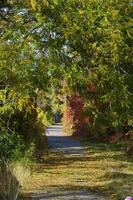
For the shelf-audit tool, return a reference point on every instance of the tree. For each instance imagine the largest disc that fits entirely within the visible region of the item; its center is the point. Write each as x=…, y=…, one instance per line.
x=92, y=41
x=86, y=44
x=23, y=75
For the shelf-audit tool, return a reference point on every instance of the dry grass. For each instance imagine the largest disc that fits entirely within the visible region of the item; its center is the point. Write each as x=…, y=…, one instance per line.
x=21, y=172
x=12, y=178
x=103, y=168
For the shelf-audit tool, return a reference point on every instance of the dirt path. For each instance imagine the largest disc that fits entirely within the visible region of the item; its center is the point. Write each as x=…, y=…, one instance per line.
x=70, y=148
x=62, y=176
x=69, y=171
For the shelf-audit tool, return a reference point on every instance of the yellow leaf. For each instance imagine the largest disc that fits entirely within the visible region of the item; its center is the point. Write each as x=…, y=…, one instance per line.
x=94, y=45
x=34, y=4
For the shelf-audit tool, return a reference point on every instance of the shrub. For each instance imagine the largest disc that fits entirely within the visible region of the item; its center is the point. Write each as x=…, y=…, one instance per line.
x=68, y=120
x=130, y=143
x=75, y=120
x=9, y=143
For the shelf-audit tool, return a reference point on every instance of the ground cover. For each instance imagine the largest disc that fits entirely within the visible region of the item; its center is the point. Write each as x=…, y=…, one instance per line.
x=104, y=169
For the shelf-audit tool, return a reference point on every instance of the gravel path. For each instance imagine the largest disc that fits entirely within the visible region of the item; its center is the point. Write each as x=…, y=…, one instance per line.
x=70, y=147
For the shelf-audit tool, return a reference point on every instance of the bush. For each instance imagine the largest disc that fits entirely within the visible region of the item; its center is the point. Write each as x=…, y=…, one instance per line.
x=130, y=143
x=75, y=120
x=68, y=121
x=31, y=124
x=10, y=143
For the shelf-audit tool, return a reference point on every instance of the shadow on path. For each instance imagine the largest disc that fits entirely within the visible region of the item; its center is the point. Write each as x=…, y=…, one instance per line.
x=60, y=142
x=66, y=150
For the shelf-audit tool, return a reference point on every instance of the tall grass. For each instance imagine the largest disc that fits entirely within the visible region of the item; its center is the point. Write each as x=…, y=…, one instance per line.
x=12, y=178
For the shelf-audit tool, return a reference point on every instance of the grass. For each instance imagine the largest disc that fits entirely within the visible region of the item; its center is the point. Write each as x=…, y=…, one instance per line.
x=12, y=178
x=105, y=169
